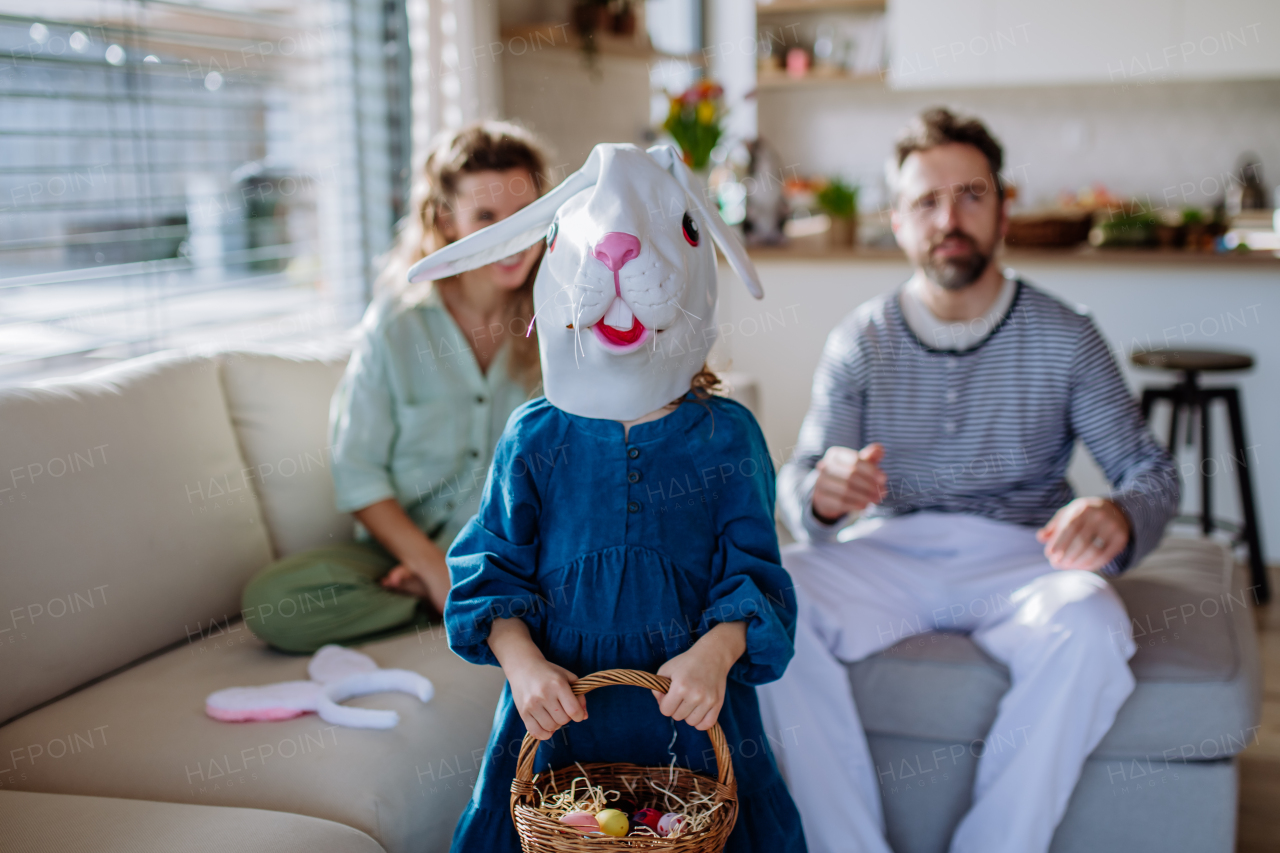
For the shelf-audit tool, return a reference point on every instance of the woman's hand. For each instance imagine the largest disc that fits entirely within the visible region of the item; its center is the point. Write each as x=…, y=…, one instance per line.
x=422, y=570
x=540, y=689
x=698, y=676
x=429, y=581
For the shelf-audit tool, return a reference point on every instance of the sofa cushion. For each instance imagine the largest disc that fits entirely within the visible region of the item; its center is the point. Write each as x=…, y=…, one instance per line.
x=62, y=823
x=122, y=525
x=279, y=404
x=1198, y=691
x=143, y=734
x=1130, y=805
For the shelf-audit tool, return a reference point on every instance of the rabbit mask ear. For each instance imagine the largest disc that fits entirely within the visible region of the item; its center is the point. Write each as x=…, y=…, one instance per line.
x=729, y=246
x=502, y=239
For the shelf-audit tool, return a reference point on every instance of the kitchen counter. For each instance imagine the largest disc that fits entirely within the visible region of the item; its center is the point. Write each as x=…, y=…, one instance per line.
x=1084, y=254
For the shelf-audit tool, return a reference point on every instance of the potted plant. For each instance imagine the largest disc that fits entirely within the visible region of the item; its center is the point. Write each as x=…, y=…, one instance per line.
x=590, y=17
x=1129, y=226
x=695, y=122
x=839, y=201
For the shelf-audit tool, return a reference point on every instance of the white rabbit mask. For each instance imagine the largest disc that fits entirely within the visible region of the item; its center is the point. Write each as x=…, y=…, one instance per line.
x=625, y=296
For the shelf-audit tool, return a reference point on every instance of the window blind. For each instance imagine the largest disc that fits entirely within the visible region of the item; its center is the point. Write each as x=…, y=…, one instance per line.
x=177, y=174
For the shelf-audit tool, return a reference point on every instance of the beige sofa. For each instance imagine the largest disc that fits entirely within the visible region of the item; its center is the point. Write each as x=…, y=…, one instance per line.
x=135, y=502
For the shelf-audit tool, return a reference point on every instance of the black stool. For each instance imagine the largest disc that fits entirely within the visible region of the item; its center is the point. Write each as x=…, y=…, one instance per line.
x=1188, y=394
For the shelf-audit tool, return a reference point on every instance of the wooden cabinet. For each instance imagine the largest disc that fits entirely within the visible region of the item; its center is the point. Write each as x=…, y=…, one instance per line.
x=937, y=44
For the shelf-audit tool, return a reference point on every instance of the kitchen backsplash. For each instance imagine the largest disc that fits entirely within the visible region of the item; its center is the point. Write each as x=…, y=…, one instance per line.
x=1172, y=142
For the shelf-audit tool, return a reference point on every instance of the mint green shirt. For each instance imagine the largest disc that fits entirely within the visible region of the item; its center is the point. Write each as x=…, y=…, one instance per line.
x=414, y=418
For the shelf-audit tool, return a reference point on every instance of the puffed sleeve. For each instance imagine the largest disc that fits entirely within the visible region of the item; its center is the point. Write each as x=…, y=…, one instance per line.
x=493, y=562
x=748, y=581
x=362, y=425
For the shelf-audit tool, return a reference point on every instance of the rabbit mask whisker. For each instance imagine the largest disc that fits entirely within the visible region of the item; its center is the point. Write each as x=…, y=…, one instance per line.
x=687, y=315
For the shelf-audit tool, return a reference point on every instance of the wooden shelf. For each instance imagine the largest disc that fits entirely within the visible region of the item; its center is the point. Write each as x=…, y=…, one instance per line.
x=811, y=249
x=785, y=82
x=791, y=7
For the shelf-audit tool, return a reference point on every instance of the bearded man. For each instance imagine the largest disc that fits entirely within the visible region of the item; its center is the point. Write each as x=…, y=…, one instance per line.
x=942, y=421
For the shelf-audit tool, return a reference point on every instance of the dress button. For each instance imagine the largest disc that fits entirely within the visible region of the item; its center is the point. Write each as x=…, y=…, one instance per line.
x=949, y=426
x=951, y=362
x=633, y=506
x=634, y=453
x=952, y=396
x=481, y=399
x=633, y=476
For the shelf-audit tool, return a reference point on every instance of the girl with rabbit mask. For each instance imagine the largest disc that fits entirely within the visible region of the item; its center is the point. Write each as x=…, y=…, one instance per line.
x=627, y=521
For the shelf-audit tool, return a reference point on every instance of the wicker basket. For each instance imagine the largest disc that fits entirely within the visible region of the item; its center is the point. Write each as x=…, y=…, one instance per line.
x=542, y=834
x=1048, y=230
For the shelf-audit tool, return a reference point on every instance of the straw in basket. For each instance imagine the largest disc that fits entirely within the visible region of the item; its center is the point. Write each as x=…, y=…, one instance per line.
x=541, y=833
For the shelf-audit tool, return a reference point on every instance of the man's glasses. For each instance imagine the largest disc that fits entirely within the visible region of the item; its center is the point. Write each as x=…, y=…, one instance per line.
x=970, y=197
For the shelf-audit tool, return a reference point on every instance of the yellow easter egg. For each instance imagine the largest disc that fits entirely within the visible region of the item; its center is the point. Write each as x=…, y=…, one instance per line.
x=613, y=822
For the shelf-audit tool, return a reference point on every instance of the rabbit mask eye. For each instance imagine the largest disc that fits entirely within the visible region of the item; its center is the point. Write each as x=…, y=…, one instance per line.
x=690, y=229
x=551, y=235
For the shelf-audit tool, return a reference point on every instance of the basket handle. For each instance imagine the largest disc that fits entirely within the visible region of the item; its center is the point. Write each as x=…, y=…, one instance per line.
x=522, y=785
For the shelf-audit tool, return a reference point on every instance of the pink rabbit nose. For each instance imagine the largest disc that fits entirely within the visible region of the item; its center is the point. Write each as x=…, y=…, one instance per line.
x=615, y=249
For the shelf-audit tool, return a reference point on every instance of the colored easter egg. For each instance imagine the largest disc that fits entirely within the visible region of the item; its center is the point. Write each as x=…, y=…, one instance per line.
x=647, y=817
x=585, y=821
x=668, y=823
x=613, y=822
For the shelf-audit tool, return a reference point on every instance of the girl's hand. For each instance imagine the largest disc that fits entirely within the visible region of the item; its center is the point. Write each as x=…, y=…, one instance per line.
x=544, y=698
x=698, y=676
x=539, y=688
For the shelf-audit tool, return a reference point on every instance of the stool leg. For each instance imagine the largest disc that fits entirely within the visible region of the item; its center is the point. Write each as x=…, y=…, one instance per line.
x=1148, y=400
x=1206, y=483
x=1173, y=426
x=1257, y=567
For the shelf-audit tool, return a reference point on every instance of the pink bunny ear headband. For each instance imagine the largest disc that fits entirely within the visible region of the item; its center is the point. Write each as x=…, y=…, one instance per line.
x=337, y=674
x=625, y=296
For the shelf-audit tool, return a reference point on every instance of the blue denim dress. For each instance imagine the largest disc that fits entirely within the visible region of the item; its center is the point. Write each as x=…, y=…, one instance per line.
x=620, y=554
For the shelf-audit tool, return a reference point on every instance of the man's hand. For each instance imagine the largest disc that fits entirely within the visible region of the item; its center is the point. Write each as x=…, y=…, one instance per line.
x=848, y=480
x=698, y=676
x=1085, y=534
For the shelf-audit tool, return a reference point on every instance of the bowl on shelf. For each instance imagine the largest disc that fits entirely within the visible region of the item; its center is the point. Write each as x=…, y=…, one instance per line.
x=1048, y=230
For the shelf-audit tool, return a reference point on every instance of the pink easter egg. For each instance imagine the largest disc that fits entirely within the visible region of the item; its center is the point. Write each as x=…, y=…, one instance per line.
x=586, y=821
x=668, y=822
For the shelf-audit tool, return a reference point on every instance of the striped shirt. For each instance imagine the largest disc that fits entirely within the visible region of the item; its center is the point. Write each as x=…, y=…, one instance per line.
x=987, y=431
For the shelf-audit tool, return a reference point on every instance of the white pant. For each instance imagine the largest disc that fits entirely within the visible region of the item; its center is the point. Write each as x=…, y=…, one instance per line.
x=1064, y=635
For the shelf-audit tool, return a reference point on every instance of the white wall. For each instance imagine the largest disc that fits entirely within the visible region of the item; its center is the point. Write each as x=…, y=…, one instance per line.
x=728, y=26
x=948, y=43
x=779, y=339
x=1135, y=139
x=551, y=92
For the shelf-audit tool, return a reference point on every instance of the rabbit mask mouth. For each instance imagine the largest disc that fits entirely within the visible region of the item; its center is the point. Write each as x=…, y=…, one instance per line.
x=614, y=333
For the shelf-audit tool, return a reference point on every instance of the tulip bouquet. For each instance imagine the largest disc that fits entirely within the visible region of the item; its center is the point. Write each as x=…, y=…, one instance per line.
x=694, y=122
